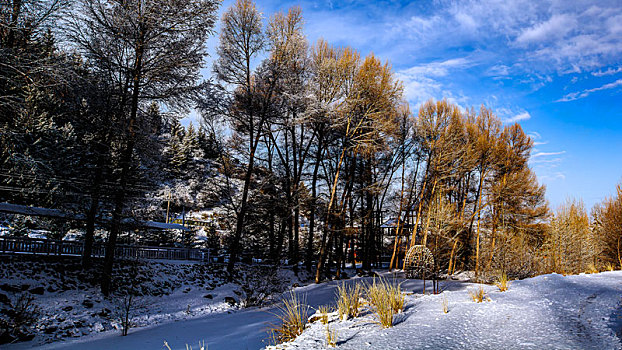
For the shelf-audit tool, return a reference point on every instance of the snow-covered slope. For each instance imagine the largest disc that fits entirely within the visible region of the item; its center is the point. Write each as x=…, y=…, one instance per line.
x=71, y=308
x=545, y=312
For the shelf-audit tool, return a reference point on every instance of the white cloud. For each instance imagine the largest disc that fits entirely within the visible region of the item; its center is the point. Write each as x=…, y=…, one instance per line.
x=546, y=165
x=546, y=154
x=498, y=71
x=535, y=135
x=552, y=177
x=466, y=21
x=585, y=93
x=421, y=82
x=555, y=28
x=551, y=163
x=609, y=71
x=436, y=69
x=508, y=114
x=518, y=117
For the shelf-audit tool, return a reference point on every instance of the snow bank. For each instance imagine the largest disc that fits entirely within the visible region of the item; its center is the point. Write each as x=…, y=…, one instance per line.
x=545, y=312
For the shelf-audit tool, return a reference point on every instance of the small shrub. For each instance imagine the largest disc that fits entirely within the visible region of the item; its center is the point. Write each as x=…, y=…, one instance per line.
x=17, y=320
x=260, y=285
x=124, y=312
x=331, y=337
x=478, y=295
x=348, y=300
x=445, y=304
x=293, y=317
x=503, y=282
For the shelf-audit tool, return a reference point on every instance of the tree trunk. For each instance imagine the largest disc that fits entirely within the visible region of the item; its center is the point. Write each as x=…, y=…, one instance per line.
x=126, y=160
x=479, y=204
x=239, y=226
x=495, y=221
x=15, y=14
x=320, y=262
x=295, y=200
x=310, y=238
x=90, y=230
x=429, y=213
x=452, y=259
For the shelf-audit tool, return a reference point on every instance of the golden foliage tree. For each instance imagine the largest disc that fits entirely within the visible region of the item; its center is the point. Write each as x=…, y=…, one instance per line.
x=608, y=229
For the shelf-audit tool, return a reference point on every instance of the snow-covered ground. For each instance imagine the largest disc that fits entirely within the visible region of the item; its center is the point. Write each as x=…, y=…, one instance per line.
x=545, y=312
x=71, y=309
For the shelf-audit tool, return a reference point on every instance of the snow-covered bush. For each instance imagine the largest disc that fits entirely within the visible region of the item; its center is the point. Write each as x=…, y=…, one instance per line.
x=17, y=320
x=260, y=285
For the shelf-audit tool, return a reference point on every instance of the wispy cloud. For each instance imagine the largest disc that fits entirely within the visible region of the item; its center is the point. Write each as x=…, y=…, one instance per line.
x=554, y=28
x=546, y=154
x=548, y=38
x=554, y=176
x=585, y=93
x=437, y=69
x=499, y=71
x=534, y=135
x=421, y=82
x=551, y=163
x=518, y=117
x=547, y=164
x=609, y=71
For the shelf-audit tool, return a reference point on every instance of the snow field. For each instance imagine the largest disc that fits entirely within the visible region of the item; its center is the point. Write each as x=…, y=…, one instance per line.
x=545, y=312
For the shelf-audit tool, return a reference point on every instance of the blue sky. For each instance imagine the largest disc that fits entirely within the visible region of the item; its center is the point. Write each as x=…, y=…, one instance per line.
x=554, y=66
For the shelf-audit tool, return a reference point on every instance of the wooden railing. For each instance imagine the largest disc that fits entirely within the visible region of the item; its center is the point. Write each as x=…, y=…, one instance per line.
x=19, y=245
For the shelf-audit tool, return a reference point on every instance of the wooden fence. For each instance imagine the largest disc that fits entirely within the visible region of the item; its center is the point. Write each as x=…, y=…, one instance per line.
x=33, y=246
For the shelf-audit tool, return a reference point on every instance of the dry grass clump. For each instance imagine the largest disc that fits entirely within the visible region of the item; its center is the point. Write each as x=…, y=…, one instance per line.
x=324, y=310
x=591, y=268
x=331, y=337
x=349, y=300
x=478, y=295
x=293, y=316
x=385, y=300
x=396, y=297
x=503, y=282
x=610, y=267
x=445, y=304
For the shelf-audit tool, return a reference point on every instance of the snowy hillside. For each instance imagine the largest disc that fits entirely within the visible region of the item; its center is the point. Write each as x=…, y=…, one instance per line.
x=69, y=306
x=545, y=312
